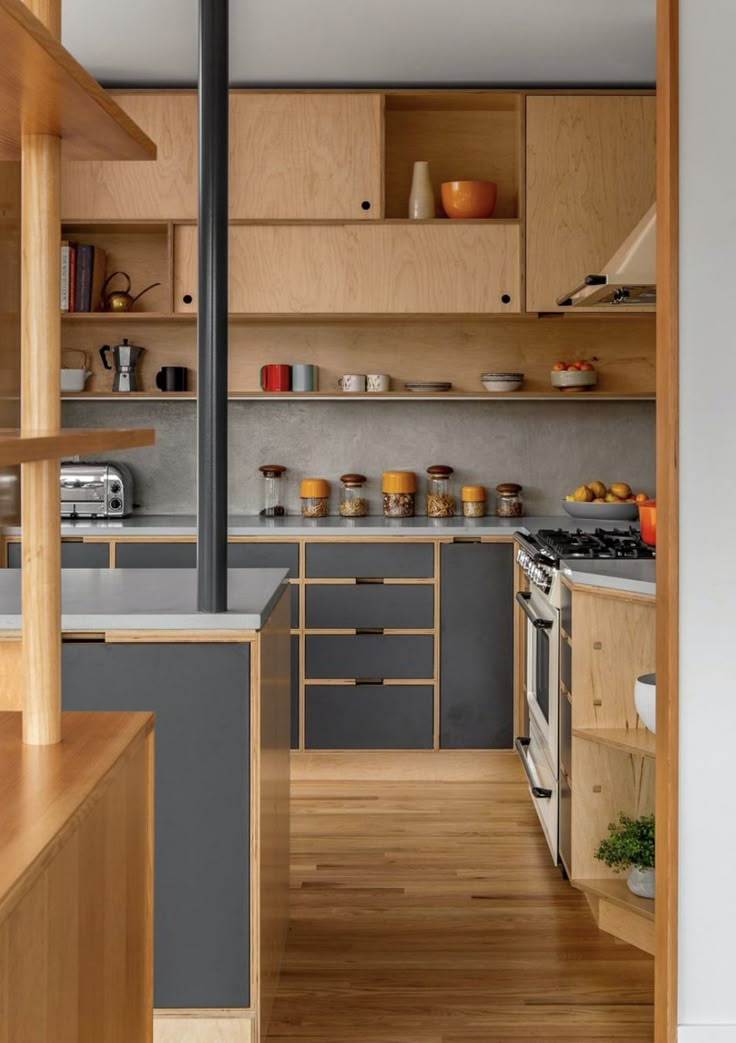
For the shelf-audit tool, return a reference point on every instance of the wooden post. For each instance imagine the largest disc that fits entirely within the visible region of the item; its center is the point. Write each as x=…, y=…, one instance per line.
x=41, y=411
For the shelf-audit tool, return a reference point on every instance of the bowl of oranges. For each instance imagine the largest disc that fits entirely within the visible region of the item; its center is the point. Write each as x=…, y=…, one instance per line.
x=596, y=500
x=574, y=376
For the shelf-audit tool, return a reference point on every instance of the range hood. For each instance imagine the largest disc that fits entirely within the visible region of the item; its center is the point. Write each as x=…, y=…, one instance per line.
x=629, y=278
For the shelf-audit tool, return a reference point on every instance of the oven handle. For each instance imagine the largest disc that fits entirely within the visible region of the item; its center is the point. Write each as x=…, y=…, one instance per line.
x=538, y=791
x=523, y=598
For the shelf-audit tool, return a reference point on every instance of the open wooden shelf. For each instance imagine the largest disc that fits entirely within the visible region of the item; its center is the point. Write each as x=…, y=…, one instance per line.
x=618, y=893
x=44, y=90
x=363, y=396
x=639, y=742
x=16, y=448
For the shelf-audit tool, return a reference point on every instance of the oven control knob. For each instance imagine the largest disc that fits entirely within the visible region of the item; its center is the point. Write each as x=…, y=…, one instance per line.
x=116, y=504
x=115, y=487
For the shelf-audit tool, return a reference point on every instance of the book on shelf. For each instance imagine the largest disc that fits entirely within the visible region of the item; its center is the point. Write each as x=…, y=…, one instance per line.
x=82, y=277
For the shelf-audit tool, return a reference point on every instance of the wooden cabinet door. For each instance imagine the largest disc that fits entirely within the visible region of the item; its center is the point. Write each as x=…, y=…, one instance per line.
x=590, y=173
x=447, y=267
x=165, y=189
x=305, y=156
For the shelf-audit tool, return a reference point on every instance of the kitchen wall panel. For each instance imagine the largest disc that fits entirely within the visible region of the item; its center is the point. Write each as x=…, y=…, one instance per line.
x=548, y=447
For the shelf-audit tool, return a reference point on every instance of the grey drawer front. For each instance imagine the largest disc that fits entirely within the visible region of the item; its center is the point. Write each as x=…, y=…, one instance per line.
x=381, y=560
x=156, y=555
x=294, y=691
x=566, y=664
x=566, y=735
x=374, y=717
x=370, y=605
x=73, y=555
x=264, y=556
x=202, y=801
x=369, y=655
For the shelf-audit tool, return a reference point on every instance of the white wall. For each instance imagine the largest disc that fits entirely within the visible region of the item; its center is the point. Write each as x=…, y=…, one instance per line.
x=707, y=996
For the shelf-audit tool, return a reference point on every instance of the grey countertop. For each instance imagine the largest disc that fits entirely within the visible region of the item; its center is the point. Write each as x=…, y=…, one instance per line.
x=636, y=577
x=149, y=599
x=296, y=526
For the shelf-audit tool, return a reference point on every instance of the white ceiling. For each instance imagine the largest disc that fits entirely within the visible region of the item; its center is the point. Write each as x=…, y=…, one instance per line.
x=372, y=42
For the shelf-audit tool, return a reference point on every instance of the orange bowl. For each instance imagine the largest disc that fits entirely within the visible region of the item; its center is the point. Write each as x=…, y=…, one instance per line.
x=469, y=198
x=648, y=522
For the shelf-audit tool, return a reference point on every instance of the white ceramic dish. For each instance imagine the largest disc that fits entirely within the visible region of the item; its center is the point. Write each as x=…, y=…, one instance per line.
x=645, y=700
x=573, y=379
x=601, y=511
x=73, y=379
x=496, y=382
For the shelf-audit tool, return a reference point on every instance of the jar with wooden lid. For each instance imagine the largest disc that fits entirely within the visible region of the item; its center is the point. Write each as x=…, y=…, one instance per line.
x=474, y=501
x=353, y=503
x=440, y=496
x=509, y=503
x=273, y=491
x=315, y=493
x=399, y=493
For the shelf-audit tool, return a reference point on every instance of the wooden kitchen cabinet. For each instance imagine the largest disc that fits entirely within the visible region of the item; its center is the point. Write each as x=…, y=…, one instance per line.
x=305, y=156
x=162, y=190
x=590, y=177
x=413, y=268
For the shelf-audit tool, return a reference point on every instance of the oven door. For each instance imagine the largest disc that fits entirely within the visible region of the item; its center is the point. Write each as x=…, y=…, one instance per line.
x=541, y=668
x=542, y=785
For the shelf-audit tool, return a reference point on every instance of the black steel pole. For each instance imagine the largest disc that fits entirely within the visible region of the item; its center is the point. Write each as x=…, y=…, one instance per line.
x=212, y=331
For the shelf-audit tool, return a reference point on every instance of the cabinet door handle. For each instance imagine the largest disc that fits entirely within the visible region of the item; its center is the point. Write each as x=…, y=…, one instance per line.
x=368, y=680
x=541, y=792
x=369, y=630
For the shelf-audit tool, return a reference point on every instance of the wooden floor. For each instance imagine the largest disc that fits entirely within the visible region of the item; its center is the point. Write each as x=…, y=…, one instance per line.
x=431, y=913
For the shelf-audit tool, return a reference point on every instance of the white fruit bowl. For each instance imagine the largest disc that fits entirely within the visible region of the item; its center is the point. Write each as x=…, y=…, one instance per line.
x=601, y=511
x=645, y=700
x=573, y=379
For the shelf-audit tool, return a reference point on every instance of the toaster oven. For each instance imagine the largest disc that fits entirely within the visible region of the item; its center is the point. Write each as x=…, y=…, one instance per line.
x=96, y=490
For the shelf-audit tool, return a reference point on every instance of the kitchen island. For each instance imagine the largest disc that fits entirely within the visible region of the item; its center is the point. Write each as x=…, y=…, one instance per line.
x=219, y=687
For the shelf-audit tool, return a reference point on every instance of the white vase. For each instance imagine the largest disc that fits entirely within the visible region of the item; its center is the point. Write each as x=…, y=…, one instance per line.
x=641, y=882
x=421, y=198
x=645, y=700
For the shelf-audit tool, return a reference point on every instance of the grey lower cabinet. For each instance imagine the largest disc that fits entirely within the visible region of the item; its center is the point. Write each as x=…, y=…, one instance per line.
x=200, y=696
x=73, y=555
x=375, y=717
x=362, y=656
x=476, y=646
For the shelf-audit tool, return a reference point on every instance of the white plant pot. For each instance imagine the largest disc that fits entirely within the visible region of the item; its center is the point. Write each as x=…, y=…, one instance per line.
x=645, y=700
x=641, y=882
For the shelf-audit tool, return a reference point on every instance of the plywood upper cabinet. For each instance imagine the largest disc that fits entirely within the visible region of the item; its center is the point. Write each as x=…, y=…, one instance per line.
x=362, y=268
x=305, y=156
x=590, y=177
x=165, y=189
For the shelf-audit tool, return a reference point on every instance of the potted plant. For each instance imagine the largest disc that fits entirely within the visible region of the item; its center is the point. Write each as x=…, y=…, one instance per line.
x=630, y=845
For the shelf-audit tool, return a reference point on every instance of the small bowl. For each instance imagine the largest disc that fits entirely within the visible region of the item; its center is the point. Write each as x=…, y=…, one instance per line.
x=645, y=700
x=466, y=199
x=73, y=379
x=573, y=379
x=502, y=381
x=601, y=511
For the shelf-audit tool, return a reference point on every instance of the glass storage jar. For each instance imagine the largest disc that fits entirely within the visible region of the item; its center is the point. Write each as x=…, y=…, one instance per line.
x=510, y=503
x=474, y=500
x=315, y=493
x=273, y=491
x=440, y=497
x=353, y=503
x=399, y=492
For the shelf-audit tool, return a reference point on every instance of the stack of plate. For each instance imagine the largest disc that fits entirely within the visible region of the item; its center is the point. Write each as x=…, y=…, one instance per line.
x=428, y=385
x=502, y=381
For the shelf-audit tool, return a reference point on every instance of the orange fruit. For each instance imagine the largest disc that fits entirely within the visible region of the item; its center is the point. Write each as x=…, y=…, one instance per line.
x=558, y=366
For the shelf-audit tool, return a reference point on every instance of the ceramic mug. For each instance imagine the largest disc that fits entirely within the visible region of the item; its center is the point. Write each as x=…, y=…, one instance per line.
x=304, y=377
x=378, y=381
x=172, y=378
x=352, y=382
x=276, y=377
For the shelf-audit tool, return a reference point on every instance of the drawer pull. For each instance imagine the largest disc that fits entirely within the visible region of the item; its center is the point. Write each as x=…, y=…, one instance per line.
x=368, y=680
x=466, y=539
x=369, y=630
x=364, y=580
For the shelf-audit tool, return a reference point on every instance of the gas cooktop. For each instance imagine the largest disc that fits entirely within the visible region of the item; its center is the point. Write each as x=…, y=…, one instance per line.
x=602, y=543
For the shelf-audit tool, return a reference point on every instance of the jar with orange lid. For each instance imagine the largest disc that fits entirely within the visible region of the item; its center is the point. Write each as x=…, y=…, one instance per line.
x=399, y=493
x=509, y=503
x=474, y=500
x=440, y=497
x=315, y=493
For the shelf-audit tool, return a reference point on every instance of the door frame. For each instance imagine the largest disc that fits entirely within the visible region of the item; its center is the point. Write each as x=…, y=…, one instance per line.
x=666, y=919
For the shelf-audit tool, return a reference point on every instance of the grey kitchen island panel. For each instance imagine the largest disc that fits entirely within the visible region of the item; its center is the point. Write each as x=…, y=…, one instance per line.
x=200, y=696
x=476, y=646
x=386, y=605
x=134, y=555
x=73, y=555
x=376, y=717
x=295, y=691
x=369, y=656
x=370, y=560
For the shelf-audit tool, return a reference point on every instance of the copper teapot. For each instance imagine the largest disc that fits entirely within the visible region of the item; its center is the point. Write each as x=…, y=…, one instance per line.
x=121, y=300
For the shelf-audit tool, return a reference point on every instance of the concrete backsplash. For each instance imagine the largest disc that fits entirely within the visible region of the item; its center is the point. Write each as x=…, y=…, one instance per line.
x=548, y=447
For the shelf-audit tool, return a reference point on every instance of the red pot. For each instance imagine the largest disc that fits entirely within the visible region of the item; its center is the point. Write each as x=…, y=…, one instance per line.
x=648, y=522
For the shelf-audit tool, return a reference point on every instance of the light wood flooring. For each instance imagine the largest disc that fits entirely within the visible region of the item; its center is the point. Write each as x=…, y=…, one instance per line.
x=431, y=913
